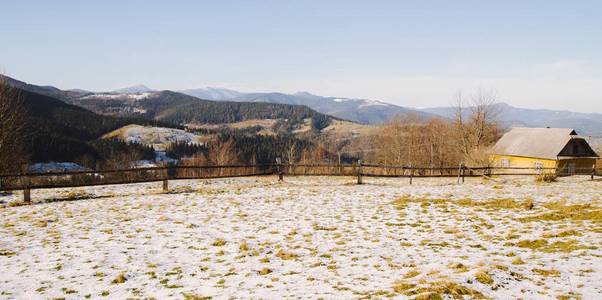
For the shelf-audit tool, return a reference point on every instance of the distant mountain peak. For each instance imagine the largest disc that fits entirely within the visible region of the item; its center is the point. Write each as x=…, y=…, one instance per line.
x=140, y=88
x=305, y=94
x=212, y=93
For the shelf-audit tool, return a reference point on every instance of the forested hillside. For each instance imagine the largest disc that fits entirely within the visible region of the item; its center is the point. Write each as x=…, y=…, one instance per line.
x=57, y=131
x=178, y=108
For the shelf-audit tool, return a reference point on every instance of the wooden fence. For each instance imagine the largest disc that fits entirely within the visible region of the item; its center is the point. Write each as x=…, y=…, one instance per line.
x=29, y=181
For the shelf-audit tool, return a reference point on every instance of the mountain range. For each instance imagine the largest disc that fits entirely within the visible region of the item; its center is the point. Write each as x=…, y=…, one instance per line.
x=176, y=108
x=218, y=105
x=374, y=112
x=510, y=116
x=215, y=94
x=357, y=110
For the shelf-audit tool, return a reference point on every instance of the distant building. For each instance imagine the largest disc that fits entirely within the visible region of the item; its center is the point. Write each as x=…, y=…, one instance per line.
x=559, y=148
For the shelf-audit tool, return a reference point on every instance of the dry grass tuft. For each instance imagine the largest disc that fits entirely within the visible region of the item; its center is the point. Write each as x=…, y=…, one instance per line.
x=286, y=255
x=6, y=252
x=558, y=246
x=501, y=203
x=459, y=267
x=562, y=234
x=264, y=271
x=436, y=290
x=243, y=247
x=484, y=278
x=188, y=296
x=121, y=278
x=547, y=273
x=546, y=177
x=218, y=243
x=561, y=211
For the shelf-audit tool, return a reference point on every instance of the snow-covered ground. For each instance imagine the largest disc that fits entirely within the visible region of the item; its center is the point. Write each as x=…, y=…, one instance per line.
x=307, y=237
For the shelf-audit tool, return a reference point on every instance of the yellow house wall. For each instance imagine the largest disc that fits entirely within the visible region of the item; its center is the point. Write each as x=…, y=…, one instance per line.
x=522, y=162
x=582, y=165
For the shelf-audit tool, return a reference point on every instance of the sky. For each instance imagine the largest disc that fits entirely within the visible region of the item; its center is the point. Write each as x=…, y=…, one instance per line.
x=534, y=54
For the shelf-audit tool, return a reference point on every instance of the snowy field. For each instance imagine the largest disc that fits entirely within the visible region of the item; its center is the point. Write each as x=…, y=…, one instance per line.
x=315, y=237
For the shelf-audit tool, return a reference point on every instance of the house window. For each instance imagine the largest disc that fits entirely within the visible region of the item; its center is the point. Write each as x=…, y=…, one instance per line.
x=505, y=163
x=538, y=165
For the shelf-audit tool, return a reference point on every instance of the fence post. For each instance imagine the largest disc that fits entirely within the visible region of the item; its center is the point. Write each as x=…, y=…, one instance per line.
x=411, y=173
x=593, y=171
x=459, y=173
x=463, y=173
x=171, y=173
x=359, y=172
x=27, y=195
x=279, y=169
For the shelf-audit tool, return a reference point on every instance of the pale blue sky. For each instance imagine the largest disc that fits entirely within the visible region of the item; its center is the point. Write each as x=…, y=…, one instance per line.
x=544, y=54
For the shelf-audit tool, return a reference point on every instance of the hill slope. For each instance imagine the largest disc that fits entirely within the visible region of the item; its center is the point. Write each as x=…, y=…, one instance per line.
x=44, y=90
x=177, y=108
x=58, y=131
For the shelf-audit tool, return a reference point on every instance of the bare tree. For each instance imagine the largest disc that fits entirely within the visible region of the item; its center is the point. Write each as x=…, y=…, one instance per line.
x=13, y=118
x=224, y=153
x=291, y=153
x=476, y=125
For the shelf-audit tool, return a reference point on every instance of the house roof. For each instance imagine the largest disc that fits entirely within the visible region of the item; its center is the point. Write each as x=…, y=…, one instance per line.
x=534, y=142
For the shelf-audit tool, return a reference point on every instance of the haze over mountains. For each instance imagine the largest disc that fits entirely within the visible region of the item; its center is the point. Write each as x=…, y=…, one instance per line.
x=185, y=106
x=177, y=108
x=141, y=88
x=374, y=112
x=210, y=93
x=357, y=110
x=510, y=116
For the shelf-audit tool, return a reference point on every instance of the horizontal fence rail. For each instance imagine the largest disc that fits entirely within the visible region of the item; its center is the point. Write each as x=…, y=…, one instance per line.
x=90, y=178
x=28, y=181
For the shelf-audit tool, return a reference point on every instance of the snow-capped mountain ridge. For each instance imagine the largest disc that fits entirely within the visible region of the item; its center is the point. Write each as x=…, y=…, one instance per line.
x=365, y=111
x=116, y=96
x=212, y=93
x=140, y=88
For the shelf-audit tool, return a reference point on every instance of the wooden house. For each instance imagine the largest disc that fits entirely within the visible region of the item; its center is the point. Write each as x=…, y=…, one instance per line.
x=539, y=148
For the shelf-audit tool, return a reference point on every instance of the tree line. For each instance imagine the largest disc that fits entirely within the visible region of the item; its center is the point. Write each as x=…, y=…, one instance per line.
x=39, y=128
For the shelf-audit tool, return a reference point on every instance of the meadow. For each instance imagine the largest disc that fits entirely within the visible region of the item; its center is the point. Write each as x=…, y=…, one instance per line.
x=317, y=237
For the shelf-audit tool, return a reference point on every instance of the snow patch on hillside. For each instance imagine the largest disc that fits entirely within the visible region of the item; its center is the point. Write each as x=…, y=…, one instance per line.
x=56, y=167
x=112, y=96
x=158, y=137
x=367, y=103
